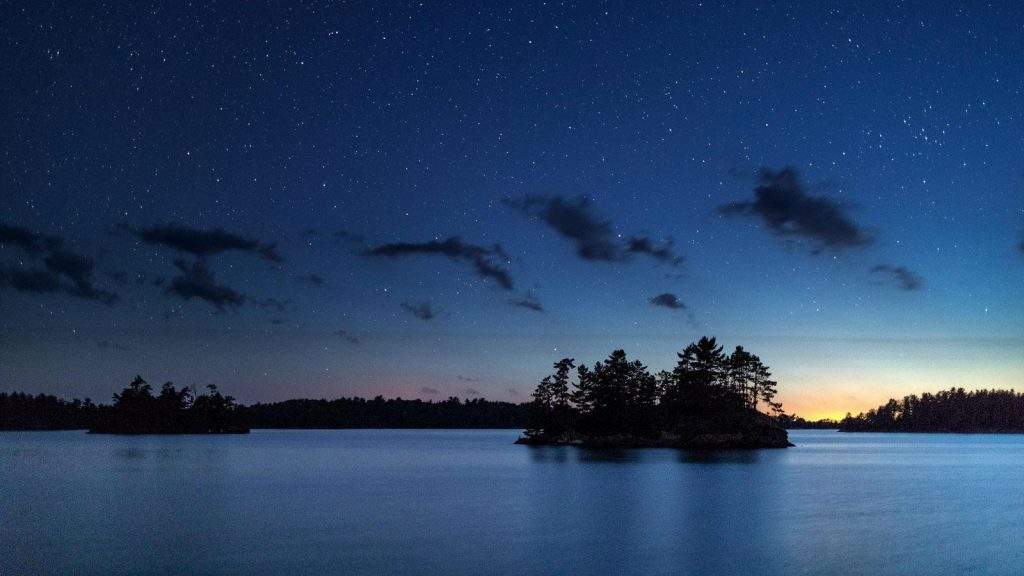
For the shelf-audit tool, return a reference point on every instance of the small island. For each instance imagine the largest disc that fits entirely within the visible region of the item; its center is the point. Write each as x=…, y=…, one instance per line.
x=711, y=400
x=137, y=411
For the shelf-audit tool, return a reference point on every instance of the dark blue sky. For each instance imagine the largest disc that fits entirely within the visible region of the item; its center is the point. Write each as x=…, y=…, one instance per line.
x=839, y=190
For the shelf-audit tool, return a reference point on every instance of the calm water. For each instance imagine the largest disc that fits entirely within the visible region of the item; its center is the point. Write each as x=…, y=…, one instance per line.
x=470, y=502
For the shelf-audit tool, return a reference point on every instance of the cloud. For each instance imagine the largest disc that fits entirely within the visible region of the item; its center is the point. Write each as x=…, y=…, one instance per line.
x=454, y=248
x=644, y=245
x=105, y=344
x=901, y=276
x=530, y=302
x=467, y=378
x=471, y=392
x=77, y=269
x=575, y=221
x=593, y=236
x=347, y=336
x=62, y=270
x=314, y=279
x=197, y=281
x=668, y=300
x=202, y=243
x=422, y=310
x=512, y=392
x=29, y=241
x=429, y=391
x=781, y=202
x=273, y=304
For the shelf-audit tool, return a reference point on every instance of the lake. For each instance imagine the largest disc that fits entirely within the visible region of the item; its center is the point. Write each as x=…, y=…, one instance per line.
x=454, y=502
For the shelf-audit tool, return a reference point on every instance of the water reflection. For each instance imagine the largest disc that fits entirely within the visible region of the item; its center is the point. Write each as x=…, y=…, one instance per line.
x=471, y=502
x=720, y=456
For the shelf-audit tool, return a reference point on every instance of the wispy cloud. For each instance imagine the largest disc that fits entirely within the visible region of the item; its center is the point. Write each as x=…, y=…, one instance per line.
x=901, y=276
x=664, y=253
x=422, y=310
x=197, y=281
x=314, y=279
x=529, y=301
x=483, y=259
x=202, y=243
x=347, y=336
x=593, y=236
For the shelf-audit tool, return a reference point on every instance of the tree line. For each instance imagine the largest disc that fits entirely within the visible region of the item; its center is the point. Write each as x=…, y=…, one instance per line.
x=953, y=410
x=137, y=409
x=708, y=391
x=387, y=413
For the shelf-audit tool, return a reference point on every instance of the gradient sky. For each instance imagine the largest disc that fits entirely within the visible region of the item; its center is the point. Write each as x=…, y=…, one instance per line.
x=837, y=189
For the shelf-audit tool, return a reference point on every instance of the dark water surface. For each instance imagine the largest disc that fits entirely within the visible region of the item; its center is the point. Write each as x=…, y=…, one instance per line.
x=470, y=502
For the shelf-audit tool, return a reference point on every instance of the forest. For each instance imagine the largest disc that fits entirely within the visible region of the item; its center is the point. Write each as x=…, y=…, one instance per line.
x=387, y=413
x=953, y=410
x=137, y=410
x=709, y=400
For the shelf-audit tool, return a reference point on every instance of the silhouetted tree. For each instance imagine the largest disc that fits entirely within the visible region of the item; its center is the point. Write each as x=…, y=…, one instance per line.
x=707, y=392
x=173, y=411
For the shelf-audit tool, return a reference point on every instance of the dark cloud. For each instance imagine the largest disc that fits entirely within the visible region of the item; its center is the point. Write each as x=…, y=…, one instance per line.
x=29, y=241
x=62, y=270
x=273, y=304
x=107, y=345
x=668, y=300
x=513, y=392
x=77, y=269
x=314, y=279
x=203, y=243
x=901, y=276
x=467, y=378
x=530, y=302
x=781, y=202
x=471, y=392
x=576, y=221
x=422, y=310
x=429, y=391
x=593, y=236
x=347, y=336
x=482, y=259
x=665, y=253
x=197, y=281
x=36, y=280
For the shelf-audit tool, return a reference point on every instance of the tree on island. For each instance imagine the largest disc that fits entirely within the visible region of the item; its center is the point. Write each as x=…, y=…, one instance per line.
x=709, y=399
x=137, y=411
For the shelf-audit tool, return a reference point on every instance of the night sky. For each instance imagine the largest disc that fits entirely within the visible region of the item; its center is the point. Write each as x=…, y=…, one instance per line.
x=331, y=199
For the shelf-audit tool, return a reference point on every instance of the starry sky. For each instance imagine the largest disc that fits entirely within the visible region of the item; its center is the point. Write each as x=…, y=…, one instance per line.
x=305, y=199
